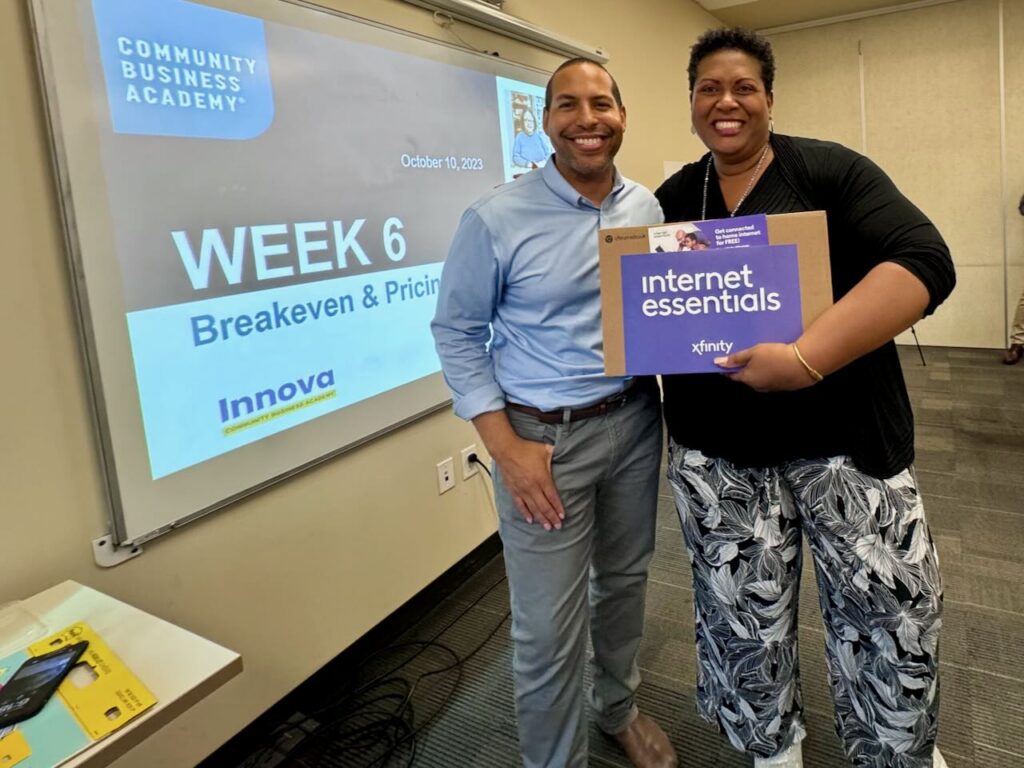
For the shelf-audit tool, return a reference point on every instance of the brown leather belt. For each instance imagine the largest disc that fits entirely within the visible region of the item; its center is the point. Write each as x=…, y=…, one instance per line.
x=566, y=415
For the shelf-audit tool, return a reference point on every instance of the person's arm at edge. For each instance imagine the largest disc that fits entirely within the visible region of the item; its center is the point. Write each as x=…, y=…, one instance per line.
x=915, y=278
x=461, y=327
x=885, y=303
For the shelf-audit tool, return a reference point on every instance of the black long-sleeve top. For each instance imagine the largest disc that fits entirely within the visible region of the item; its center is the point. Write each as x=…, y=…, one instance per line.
x=861, y=410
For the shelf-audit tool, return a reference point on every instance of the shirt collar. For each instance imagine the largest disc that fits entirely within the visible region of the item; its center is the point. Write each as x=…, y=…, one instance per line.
x=557, y=183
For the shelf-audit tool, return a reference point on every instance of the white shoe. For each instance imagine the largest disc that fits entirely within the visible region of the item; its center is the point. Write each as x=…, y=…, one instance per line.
x=790, y=758
x=938, y=761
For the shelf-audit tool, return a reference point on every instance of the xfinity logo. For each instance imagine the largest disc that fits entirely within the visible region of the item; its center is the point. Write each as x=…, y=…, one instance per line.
x=705, y=347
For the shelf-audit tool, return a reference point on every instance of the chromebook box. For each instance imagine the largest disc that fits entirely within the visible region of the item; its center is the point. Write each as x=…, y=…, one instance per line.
x=676, y=296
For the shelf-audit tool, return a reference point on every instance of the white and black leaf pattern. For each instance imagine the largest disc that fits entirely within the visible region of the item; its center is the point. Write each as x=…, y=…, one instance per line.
x=783, y=605
x=766, y=529
x=880, y=592
x=898, y=740
x=767, y=590
x=919, y=546
x=874, y=553
x=719, y=553
x=885, y=644
x=930, y=638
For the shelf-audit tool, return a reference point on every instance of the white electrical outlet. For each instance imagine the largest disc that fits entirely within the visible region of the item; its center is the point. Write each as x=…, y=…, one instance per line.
x=446, y=475
x=468, y=469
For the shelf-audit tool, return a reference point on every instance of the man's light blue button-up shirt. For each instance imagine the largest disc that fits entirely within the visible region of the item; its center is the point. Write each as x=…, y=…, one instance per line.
x=524, y=263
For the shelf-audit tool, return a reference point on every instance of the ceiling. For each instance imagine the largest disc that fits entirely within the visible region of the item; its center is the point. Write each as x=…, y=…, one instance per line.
x=763, y=14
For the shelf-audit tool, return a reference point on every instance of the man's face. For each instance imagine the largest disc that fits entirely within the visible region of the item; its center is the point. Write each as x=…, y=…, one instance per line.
x=584, y=122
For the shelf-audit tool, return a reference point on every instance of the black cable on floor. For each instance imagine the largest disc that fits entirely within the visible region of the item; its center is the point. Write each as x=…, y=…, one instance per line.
x=373, y=725
x=458, y=667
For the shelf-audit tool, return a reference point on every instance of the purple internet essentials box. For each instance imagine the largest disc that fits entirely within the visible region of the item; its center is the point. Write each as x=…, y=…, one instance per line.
x=681, y=310
x=738, y=232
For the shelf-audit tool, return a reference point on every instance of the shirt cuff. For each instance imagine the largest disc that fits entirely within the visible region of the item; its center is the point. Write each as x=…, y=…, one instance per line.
x=482, y=400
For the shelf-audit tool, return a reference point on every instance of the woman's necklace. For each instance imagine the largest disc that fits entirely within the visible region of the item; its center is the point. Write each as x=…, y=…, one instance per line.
x=750, y=185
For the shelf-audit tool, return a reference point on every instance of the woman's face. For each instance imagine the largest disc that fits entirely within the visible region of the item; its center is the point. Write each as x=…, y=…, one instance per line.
x=730, y=108
x=529, y=122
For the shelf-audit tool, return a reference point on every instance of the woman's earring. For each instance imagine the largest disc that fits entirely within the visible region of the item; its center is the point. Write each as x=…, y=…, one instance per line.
x=693, y=130
x=771, y=125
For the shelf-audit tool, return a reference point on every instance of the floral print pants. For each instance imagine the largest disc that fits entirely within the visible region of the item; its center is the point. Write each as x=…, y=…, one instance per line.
x=880, y=593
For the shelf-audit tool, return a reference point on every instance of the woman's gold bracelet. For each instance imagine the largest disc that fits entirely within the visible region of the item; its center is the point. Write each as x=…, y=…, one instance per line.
x=814, y=374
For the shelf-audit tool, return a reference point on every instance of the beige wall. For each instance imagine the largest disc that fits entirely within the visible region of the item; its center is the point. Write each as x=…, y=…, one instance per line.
x=293, y=575
x=1013, y=34
x=931, y=113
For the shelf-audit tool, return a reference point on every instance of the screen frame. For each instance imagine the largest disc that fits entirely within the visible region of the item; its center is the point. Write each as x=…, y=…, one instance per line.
x=136, y=514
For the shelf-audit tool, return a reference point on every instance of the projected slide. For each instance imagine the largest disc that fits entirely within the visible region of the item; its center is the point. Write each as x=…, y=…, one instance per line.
x=281, y=203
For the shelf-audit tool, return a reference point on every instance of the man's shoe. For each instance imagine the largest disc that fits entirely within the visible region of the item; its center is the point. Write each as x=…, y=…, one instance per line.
x=1013, y=354
x=646, y=745
x=790, y=758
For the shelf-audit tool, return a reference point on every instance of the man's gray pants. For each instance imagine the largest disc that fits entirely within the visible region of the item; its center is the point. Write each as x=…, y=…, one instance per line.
x=591, y=574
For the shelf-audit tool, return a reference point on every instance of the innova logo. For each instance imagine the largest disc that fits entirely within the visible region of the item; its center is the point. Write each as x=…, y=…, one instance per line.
x=275, y=401
x=175, y=68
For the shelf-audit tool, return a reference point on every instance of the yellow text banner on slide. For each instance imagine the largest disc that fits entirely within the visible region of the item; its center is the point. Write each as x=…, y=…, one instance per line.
x=111, y=697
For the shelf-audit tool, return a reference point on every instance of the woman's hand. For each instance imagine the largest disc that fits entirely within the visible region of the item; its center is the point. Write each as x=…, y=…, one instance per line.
x=767, y=368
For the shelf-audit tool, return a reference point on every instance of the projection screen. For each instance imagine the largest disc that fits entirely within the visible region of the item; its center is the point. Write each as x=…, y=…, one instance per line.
x=258, y=197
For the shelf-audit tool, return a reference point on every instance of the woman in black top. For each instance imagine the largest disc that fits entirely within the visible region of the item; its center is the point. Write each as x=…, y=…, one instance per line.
x=815, y=436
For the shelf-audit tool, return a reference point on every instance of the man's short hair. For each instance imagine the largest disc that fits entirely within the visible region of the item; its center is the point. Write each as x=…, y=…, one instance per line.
x=573, y=63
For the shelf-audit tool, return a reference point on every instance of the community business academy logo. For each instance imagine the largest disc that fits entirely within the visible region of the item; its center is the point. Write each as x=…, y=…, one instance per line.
x=175, y=68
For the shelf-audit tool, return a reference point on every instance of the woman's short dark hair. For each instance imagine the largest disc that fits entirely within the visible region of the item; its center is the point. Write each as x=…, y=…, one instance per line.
x=734, y=39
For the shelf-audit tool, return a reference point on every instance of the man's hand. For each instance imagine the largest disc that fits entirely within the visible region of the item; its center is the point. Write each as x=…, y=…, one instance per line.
x=525, y=468
x=767, y=368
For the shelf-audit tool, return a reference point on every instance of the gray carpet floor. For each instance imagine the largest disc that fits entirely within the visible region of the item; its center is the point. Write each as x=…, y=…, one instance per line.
x=970, y=461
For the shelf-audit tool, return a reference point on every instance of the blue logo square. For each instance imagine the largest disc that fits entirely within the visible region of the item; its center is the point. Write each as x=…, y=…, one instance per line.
x=175, y=68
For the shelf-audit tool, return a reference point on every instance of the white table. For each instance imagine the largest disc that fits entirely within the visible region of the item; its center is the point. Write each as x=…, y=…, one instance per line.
x=179, y=667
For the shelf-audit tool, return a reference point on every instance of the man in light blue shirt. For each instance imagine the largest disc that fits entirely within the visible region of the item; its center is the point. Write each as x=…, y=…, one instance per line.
x=576, y=453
